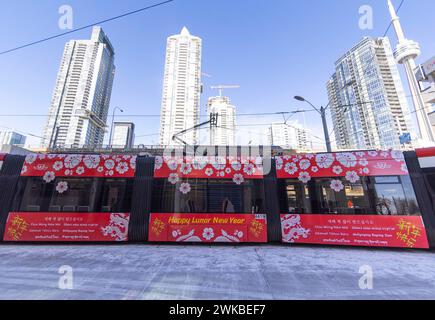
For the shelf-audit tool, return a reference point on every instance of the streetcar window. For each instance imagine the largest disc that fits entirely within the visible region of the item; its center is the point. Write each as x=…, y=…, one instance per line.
x=84, y=195
x=207, y=196
x=167, y=197
x=395, y=196
x=116, y=195
x=298, y=197
x=36, y=195
x=79, y=196
x=338, y=196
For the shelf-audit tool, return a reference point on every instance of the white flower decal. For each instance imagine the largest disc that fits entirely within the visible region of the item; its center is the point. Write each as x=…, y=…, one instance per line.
x=185, y=168
x=158, y=163
x=122, y=167
x=173, y=178
x=384, y=154
x=397, y=155
x=228, y=170
x=315, y=169
x=133, y=162
x=199, y=163
x=236, y=165
x=347, y=159
x=49, y=176
x=109, y=164
x=209, y=172
x=290, y=168
x=219, y=163
x=58, y=165
x=337, y=185
x=91, y=161
x=100, y=169
x=324, y=160
x=62, y=187
x=337, y=170
x=24, y=170
x=249, y=169
x=72, y=161
x=31, y=158
x=208, y=234
x=279, y=163
x=352, y=176
x=80, y=170
x=238, y=178
x=185, y=188
x=372, y=154
x=304, y=164
x=363, y=162
x=109, y=173
x=172, y=164
x=304, y=177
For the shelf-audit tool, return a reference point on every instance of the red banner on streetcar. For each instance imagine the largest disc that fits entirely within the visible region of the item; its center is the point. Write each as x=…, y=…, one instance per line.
x=234, y=228
x=352, y=230
x=68, y=227
x=351, y=165
x=50, y=166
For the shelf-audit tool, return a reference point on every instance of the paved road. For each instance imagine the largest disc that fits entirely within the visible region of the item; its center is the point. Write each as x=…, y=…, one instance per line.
x=203, y=272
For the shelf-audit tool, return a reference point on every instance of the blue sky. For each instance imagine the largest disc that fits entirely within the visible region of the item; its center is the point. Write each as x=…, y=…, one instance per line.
x=274, y=49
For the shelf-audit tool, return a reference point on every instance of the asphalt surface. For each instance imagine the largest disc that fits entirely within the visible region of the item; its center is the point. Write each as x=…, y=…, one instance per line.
x=212, y=272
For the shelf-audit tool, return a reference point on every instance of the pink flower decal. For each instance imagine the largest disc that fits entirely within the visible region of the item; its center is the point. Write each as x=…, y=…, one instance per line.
x=122, y=167
x=49, y=176
x=337, y=185
x=58, y=165
x=91, y=161
x=337, y=170
x=62, y=187
x=352, y=177
x=173, y=178
x=291, y=168
x=72, y=161
x=304, y=164
x=347, y=159
x=238, y=179
x=249, y=169
x=208, y=234
x=185, y=168
x=304, y=177
x=185, y=188
x=324, y=160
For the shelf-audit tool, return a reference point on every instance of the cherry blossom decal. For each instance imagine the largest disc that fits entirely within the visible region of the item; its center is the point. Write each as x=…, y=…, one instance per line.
x=62, y=187
x=235, y=168
x=61, y=165
x=351, y=165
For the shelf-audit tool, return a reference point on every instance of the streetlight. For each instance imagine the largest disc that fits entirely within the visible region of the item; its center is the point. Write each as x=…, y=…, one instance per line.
x=111, y=127
x=322, y=112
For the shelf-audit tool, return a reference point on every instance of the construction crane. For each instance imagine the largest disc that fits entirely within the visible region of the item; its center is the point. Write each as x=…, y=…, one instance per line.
x=222, y=87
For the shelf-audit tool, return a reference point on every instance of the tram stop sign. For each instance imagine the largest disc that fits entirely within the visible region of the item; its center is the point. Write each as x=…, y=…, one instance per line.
x=405, y=138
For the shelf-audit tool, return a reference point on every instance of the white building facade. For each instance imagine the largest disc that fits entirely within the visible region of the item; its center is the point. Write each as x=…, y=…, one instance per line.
x=81, y=99
x=10, y=137
x=368, y=104
x=288, y=136
x=224, y=134
x=180, y=108
x=123, y=135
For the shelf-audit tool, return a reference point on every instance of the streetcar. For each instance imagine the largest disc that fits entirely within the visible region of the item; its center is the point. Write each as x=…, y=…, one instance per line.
x=367, y=198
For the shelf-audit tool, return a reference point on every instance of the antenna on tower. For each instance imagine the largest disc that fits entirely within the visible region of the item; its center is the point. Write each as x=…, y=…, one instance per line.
x=222, y=87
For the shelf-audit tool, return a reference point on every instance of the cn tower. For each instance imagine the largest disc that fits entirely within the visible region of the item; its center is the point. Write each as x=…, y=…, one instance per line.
x=405, y=53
